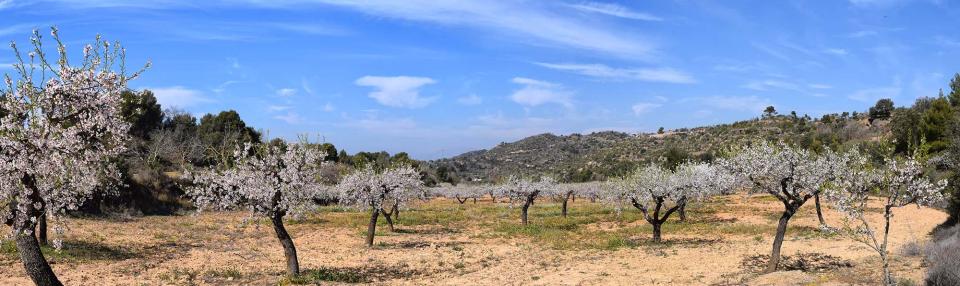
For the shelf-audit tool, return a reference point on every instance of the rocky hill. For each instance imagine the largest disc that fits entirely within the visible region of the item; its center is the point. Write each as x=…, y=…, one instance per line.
x=595, y=156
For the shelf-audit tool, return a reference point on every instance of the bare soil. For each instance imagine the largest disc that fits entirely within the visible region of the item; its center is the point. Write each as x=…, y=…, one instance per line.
x=446, y=243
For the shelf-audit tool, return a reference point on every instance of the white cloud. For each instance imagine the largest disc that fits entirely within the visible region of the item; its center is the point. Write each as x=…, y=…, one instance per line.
x=4, y=4
x=819, y=86
x=328, y=107
x=286, y=92
x=947, y=42
x=535, y=92
x=614, y=10
x=644, y=107
x=874, y=94
x=521, y=20
x=863, y=33
x=397, y=91
x=290, y=118
x=178, y=96
x=838, y=52
x=472, y=99
x=643, y=74
x=765, y=85
x=275, y=108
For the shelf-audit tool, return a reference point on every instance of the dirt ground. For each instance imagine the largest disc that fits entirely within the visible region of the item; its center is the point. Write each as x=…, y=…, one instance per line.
x=443, y=242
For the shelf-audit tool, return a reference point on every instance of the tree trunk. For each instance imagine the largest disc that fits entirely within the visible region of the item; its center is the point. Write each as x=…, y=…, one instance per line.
x=461, y=201
x=523, y=213
x=887, y=275
x=656, y=231
x=32, y=258
x=778, y=241
x=474, y=200
x=386, y=215
x=33, y=261
x=396, y=210
x=493, y=199
x=42, y=230
x=289, y=250
x=816, y=199
x=372, y=227
x=563, y=208
x=683, y=212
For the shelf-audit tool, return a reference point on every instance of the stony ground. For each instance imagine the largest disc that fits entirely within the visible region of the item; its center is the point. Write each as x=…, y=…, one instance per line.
x=442, y=242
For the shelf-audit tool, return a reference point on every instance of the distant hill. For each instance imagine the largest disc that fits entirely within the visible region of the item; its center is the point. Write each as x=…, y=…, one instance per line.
x=596, y=156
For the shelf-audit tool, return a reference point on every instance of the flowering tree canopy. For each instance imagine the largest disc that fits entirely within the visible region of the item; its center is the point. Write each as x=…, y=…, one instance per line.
x=526, y=190
x=899, y=183
x=792, y=175
x=270, y=180
x=266, y=179
x=658, y=192
x=60, y=127
x=461, y=192
x=370, y=189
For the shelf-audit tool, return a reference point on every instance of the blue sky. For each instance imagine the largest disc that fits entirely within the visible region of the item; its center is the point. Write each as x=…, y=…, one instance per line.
x=438, y=78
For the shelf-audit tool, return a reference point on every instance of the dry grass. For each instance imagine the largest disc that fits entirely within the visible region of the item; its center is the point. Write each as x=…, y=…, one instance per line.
x=443, y=242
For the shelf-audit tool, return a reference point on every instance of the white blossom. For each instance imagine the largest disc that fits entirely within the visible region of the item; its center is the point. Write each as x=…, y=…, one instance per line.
x=368, y=188
x=58, y=136
x=266, y=179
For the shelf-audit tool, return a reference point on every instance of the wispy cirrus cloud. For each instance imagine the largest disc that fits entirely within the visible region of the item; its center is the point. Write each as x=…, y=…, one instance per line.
x=536, y=92
x=397, y=91
x=643, y=74
x=644, y=107
x=523, y=20
x=615, y=10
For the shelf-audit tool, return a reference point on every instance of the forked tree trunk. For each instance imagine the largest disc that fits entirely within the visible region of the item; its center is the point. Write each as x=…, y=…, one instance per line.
x=816, y=199
x=289, y=250
x=372, y=227
x=386, y=215
x=778, y=240
x=493, y=199
x=42, y=229
x=460, y=201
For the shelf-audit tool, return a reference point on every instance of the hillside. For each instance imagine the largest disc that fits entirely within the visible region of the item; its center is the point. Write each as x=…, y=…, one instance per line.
x=595, y=156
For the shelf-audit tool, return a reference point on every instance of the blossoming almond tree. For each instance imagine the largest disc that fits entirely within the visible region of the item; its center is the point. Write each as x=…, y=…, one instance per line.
x=792, y=175
x=369, y=189
x=526, y=191
x=271, y=180
x=61, y=126
x=899, y=183
x=565, y=192
x=461, y=192
x=658, y=193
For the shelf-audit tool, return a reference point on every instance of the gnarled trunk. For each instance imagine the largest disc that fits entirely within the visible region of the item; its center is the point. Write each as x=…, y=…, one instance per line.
x=32, y=258
x=778, y=240
x=461, y=201
x=656, y=231
x=372, y=227
x=289, y=250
